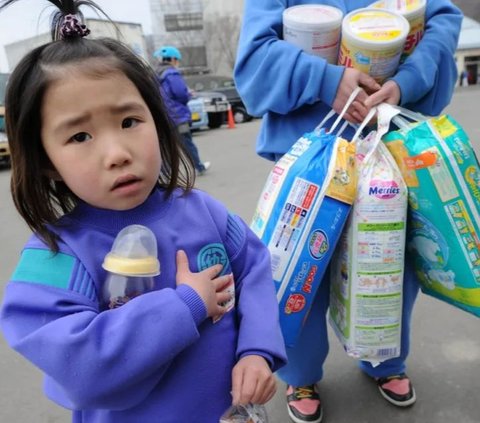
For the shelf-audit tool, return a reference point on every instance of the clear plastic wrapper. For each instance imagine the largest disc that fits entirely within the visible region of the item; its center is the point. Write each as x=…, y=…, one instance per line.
x=251, y=413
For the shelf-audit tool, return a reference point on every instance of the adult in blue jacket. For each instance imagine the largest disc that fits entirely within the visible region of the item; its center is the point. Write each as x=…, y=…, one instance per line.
x=293, y=91
x=175, y=93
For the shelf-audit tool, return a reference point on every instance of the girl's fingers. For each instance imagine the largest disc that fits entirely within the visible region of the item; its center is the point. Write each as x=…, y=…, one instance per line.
x=223, y=297
x=368, y=82
x=222, y=282
x=237, y=382
x=213, y=271
x=182, y=261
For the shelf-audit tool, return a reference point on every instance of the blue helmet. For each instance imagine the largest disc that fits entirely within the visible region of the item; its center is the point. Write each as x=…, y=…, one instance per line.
x=168, y=52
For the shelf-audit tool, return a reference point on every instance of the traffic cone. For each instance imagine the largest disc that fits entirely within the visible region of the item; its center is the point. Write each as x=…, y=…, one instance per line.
x=230, y=120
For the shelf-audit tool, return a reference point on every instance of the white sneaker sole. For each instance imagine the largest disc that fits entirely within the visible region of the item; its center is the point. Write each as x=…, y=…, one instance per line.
x=400, y=403
x=297, y=420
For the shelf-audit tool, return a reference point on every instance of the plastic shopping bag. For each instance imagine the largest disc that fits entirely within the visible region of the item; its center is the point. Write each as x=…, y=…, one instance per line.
x=443, y=177
x=300, y=215
x=366, y=273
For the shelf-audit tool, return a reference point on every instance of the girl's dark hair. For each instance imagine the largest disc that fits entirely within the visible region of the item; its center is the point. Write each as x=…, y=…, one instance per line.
x=39, y=199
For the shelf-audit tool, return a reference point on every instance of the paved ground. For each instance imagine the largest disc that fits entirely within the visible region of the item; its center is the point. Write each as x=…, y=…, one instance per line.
x=445, y=361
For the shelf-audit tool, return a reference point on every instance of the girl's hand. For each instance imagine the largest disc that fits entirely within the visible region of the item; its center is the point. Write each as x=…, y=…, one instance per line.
x=252, y=381
x=389, y=93
x=351, y=79
x=206, y=283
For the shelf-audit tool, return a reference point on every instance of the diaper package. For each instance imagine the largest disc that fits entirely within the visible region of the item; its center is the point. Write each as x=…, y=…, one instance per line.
x=443, y=177
x=300, y=215
x=367, y=266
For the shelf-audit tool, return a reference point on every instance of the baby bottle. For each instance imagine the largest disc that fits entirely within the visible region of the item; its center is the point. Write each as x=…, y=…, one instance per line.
x=131, y=265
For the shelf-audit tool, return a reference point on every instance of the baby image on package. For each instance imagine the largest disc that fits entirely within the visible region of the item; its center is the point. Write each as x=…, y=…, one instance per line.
x=443, y=176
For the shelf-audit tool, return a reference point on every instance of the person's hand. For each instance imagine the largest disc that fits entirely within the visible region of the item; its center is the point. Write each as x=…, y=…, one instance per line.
x=206, y=283
x=388, y=93
x=351, y=79
x=252, y=381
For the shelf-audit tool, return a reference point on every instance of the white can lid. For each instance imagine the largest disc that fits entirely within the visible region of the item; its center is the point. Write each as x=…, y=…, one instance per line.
x=408, y=8
x=310, y=17
x=375, y=28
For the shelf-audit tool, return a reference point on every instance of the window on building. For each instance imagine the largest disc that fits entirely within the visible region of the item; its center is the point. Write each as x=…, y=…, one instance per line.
x=194, y=56
x=183, y=21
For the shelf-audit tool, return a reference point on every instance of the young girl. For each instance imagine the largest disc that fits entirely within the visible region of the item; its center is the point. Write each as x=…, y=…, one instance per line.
x=92, y=152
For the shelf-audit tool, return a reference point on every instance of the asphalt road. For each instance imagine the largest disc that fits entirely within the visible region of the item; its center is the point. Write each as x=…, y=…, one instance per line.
x=444, y=363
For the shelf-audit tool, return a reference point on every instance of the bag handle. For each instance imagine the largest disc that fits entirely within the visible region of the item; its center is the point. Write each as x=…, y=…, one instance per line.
x=385, y=114
x=415, y=116
x=362, y=126
x=331, y=113
x=401, y=123
x=328, y=116
x=350, y=100
x=342, y=128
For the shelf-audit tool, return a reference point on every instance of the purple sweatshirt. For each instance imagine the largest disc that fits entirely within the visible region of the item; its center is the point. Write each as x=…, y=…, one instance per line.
x=156, y=358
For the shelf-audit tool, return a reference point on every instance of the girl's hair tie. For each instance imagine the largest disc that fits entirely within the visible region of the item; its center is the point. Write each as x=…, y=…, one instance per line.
x=72, y=27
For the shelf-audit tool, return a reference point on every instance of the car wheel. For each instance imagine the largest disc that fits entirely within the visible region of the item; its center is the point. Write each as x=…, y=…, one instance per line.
x=215, y=120
x=240, y=115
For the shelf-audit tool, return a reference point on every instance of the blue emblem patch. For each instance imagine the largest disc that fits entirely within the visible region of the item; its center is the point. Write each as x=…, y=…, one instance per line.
x=213, y=254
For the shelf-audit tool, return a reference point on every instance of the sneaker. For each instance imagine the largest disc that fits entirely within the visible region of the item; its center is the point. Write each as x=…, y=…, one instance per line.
x=397, y=390
x=206, y=166
x=304, y=404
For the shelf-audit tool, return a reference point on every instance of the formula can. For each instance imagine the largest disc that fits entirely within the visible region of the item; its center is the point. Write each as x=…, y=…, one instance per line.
x=314, y=28
x=414, y=12
x=373, y=41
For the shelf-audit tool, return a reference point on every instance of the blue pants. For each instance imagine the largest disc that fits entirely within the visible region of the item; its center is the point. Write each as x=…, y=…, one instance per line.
x=305, y=360
x=192, y=150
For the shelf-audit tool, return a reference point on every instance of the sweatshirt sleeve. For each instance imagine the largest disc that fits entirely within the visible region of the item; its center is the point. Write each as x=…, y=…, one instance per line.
x=273, y=75
x=102, y=360
x=257, y=307
x=428, y=76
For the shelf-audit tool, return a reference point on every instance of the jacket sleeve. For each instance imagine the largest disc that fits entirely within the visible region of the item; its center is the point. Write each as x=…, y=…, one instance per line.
x=177, y=87
x=257, y=307
x=427, y=78
x=108, y=360
x=273, y=75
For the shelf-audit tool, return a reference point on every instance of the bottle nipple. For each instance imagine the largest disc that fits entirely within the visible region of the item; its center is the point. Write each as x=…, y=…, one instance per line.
x=133, y=253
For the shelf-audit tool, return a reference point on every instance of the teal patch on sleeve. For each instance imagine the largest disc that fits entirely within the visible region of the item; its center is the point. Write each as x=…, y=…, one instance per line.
x=45, y=268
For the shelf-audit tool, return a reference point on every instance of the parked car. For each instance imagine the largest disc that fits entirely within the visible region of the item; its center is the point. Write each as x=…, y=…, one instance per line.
x=239, y=110
x=213, y=104
x=4, y=149
x=224, y=85
x=199, y=113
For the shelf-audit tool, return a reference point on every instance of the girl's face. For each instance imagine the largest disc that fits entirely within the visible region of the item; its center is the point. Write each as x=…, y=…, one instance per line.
x=101, y=139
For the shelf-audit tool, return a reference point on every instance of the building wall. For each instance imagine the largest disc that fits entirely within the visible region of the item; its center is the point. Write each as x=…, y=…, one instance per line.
x=208, y=47
x=15, y=51
x=129, y=33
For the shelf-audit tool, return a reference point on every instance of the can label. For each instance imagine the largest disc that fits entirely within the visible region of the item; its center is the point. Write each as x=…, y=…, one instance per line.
x=380, y=65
